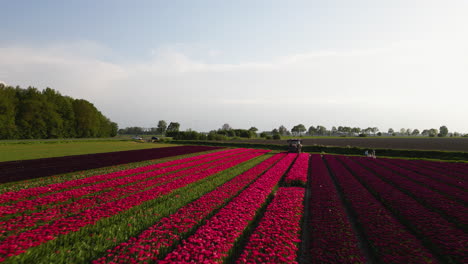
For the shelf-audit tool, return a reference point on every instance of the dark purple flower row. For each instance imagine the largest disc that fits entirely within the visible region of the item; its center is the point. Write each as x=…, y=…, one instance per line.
x=147, y=246
x=17, y=224
x=297, y=175
x=32, y=192
x=18, y=244
x=455, y=170
x=212, y=242
x=277, y=236
x=333, y=240
x=446, y=239
x=101, y=186
x=436, y=200
x=388, y=237
x=431, y=176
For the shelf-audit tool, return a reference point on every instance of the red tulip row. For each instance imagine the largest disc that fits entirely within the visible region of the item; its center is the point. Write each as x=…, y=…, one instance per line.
x=213, y=241
x=390, y=240
x=433, y=178
x=448, y=240
x=18, y=244
x=17, y=224
x=276, y=238
x=332, y=237
x=36, y=191
x=298, y=173
x=436, y=200
x=147, y=246
x=102, y=186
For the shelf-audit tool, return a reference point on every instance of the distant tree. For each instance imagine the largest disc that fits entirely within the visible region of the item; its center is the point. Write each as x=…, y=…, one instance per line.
x=391, y=131
x=321, y=130
x=298, y=129
x=402, y=131
x=415, y=132
x=456, y=134
x=334, y=130
x=433, y=132
x=8, y=108
x=379, y=134
x=226, y=127
x=162, y=127
x=375, y=130
x=283, y=130
x=408, y=131
x=263, y=134
x=173, y=127
x=356, y=130
x=253, y=129
x=443, y=131
x=312, y=130
x=275, y=132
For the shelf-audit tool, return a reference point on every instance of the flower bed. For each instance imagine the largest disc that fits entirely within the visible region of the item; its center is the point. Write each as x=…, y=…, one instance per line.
x=333, y=240
x=149, y=244
x=277, y=236
x=389, y=239
x=18, y=244
x=213, y=241
x=297, y=175
x=442, y=236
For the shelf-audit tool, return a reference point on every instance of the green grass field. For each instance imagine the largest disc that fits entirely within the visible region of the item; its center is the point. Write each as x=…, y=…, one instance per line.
x=36, y=150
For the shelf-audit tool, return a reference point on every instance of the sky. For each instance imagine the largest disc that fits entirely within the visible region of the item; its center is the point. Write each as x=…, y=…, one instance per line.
x=386, y=64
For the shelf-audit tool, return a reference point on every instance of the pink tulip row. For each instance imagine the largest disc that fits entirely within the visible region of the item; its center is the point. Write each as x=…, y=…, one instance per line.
x=147, y=246
x=298, y=173
x=433, y=178
x=447, y=239
x=276, y=238
x=106, y=185
x=213, y=241
x=36, y=191
x=391, y=241
x=434, y=199
x=332, y=237
x=17, y=224
x=18, y=244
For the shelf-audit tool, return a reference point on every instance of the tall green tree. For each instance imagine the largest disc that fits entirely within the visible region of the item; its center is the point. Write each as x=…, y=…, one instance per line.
x=162, y=126
x=8, y=109
x=443, y=131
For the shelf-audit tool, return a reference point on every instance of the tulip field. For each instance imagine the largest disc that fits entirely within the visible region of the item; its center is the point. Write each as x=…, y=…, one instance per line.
x=241, y=206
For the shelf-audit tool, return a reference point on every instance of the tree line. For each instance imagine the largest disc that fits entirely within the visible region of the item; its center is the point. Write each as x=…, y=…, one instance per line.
x=34, y=114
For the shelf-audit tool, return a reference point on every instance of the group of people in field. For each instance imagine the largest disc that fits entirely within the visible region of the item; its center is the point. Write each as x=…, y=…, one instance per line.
x=370, y=154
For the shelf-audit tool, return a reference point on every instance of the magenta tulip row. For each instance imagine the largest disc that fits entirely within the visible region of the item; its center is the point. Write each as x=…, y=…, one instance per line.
x=332, y=237
x=131, y=178
x=436, y=200
x=431, y=177
x=17, y=224
x=169, y=230
x=18, y=244
x=390, y=240
x=213, y=241
x=277, y=236
x=297, y=175
x=36, y=191
x=446, y=239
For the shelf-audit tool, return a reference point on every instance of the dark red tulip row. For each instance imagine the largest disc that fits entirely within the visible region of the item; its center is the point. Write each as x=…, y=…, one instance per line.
x=455, y=170
x=436, y=200
x=297, y=175
x=36, y=191
x=18, y=244
x=77, y=193
x=447, y=239
x=390, y=240
x=212, y=242
x=333, y=239
x=17, y=224
x=277, y=236
x=147, y=246
x=430, y=177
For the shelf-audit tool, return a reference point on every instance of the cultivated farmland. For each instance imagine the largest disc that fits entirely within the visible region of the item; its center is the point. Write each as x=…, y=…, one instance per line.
x=242, y=206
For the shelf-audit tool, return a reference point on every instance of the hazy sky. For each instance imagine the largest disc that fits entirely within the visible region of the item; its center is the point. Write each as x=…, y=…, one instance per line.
x=247, y=63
